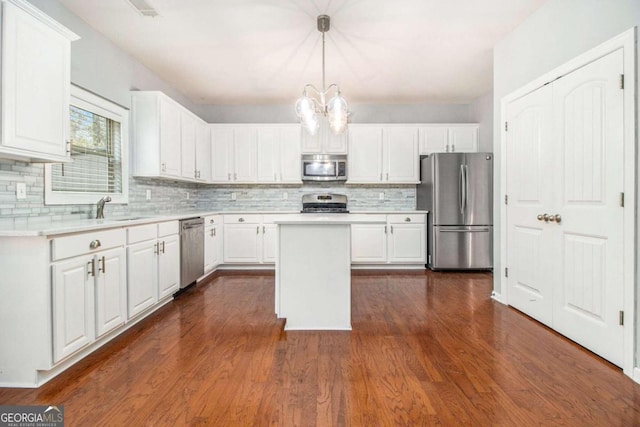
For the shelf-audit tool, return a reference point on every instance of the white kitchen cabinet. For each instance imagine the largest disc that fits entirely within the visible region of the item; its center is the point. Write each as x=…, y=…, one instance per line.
x=188, y=145
x=448, y=138
x=36, y=60
x=406, y=238
x=242, y=239
x=401, y=240
x=369, y=243
x=324, y=141
x=268, y=154
x=250, y=239
x=221, y=153
x=203, y=152
x=383, y=154
x=290, y=155
x=88, y=289
x=213, y=240
x=153, y=264
x=157, y=134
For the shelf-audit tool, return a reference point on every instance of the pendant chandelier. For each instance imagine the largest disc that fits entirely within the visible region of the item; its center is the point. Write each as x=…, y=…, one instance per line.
x=313, y=106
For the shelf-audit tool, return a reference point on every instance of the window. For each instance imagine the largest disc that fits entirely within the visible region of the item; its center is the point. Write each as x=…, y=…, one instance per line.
x=99, y=167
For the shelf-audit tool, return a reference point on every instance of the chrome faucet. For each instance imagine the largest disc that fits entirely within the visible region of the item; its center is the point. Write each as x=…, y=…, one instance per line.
x=101, y=202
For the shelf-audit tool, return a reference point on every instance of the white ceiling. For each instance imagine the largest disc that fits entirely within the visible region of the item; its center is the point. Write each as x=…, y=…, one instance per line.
x=265, y=51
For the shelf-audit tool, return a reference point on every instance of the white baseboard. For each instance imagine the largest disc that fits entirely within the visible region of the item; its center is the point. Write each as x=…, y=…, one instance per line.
x=636, y=374
x=498, y=297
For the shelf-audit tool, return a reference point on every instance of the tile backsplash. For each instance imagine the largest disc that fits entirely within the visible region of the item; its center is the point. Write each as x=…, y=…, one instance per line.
x=172, y=197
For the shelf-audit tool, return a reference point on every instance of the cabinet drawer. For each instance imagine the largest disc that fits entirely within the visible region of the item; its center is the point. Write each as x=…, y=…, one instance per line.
x=168, y=228
x=78, y=244
x=242, y=219
x=142, y=233
x=406, y=218
x=212, y=220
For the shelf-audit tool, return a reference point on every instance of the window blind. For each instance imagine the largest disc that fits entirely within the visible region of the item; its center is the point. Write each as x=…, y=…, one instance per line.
x=96, y=151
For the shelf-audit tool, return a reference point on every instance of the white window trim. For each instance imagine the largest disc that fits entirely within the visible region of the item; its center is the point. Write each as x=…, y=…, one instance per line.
x=86, y=100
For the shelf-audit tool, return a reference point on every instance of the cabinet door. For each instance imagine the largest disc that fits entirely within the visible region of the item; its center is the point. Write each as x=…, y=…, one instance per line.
x=402, y=161
x=142, y=276
x=365, y=154
x=333, y=144
x=212, y=250
x=269, y=243
x=244, y=154
x=434, y=139
x=310, y=144
x=221, y=153
x=170, y=134
x=111, y=288
x=463, y=139
x=368, y=243
x=203, y=152
x=73, y=306
x=35, y=86
x=407, y=243
x=188, y=145
x=168, y=265
x=241, y=243
x=268, y=154
x=290, y=157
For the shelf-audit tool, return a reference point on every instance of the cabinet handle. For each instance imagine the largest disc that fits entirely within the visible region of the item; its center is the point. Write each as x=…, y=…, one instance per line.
x=104, y=266
x=258, y=229
x=407, y=219
x=387, y=176
x=213, y=232
x=385, y=229
x=453, y=147
x=163, y=246
x=263, y=229
x=447, y=148
x=95, y=244
x=155, y=248
x=240, y=219
x=392, y=229
x=164, y=167
x=92, y=268
x=68, y=147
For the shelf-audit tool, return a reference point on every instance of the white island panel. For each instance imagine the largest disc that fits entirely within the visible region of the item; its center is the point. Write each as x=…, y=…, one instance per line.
x=313, y=276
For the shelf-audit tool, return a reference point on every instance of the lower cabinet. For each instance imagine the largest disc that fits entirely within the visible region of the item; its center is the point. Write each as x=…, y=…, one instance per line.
x=153, y=264
x=212, y=242
x=401, y=240
x=88, y=295
x=250, y=239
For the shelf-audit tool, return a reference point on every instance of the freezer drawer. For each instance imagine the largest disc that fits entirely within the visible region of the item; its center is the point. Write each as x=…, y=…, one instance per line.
x=460, y=247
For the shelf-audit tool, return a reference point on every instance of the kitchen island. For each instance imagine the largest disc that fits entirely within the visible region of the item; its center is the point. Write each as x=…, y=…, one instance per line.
x=313, y=271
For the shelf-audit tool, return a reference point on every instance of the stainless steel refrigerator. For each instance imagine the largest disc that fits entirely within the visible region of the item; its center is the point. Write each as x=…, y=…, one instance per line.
x=457, y=190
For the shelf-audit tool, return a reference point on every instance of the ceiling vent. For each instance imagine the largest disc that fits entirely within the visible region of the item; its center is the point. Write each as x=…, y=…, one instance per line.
x=144, y=8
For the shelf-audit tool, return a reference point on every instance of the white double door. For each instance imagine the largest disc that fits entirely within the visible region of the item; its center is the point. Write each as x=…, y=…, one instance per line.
x=565, y=161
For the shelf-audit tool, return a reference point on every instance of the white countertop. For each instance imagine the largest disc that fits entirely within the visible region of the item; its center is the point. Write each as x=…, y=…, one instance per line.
x=42, y=226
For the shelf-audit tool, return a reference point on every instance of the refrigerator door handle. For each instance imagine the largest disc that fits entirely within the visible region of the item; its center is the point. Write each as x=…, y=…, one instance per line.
x=477, y=230
x=463, y=191
x=466, y=187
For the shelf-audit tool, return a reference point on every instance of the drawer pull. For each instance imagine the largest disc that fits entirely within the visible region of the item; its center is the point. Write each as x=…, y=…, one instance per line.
x=212, y=221
x=95, y=244
x=407, y=219
x=240, y=219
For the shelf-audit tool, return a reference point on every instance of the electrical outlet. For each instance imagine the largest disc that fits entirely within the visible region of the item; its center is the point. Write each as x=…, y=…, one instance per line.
x=187, y=194
x=285, y=196
x=233, y=196
x=21, y=190
x=380, y=196
x=148, y=194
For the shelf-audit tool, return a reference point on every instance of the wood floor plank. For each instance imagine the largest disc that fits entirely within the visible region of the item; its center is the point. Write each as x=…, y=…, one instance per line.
x=427, y=348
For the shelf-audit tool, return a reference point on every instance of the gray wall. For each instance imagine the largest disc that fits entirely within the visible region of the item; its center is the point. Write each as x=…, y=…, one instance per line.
x=481, y=111
x=557, y=32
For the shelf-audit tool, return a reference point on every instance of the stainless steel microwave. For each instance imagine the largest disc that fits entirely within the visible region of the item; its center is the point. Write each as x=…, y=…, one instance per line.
x=322, y=167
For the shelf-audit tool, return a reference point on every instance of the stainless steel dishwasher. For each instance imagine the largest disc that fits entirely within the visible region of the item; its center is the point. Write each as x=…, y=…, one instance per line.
x=191, y=250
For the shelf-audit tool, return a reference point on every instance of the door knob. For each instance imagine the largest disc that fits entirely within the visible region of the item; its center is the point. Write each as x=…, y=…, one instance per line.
x=552, y=218
x=540, y=217
x=557, y=218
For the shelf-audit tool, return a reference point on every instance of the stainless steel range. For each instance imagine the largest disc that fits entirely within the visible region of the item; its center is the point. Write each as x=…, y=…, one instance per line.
x=324, y=203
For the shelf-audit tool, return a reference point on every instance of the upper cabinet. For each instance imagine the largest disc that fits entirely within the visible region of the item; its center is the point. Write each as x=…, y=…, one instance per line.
x=244, y=154
x=449, y=138
x=168, y=140
x=383, y=154
x=324, y=141
x=36, y=52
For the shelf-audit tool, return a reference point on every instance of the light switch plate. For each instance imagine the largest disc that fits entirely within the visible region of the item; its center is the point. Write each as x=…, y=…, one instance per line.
x=21, y=190
x=233, y=196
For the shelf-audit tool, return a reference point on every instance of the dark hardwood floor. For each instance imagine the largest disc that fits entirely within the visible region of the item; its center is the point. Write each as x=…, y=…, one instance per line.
x=426, y=349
